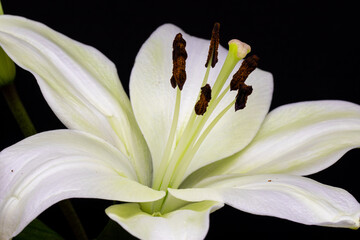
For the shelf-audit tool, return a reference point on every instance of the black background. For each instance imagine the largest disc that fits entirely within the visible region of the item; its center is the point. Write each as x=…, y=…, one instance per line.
x=311, y=47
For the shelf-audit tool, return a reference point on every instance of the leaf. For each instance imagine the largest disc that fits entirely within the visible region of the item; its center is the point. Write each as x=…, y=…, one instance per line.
x=38, y=230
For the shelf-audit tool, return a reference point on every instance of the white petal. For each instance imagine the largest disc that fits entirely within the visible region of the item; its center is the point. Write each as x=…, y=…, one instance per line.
x=294, y=198
x=48, y=167
x=153, y=98
x=79, y=83
x=189, y=222
x=301, y=138
x=236, y=129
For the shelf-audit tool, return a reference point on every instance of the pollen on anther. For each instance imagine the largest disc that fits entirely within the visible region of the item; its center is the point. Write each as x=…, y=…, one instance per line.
x=247, y=66
x=205, y=97
x=242, y=96
x=179, y=56
x=214, y=45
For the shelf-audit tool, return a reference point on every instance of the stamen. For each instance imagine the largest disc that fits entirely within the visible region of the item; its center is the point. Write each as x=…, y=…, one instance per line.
x=186, y=160
x=247, y=66
x=214, y=45
x=205, y=97
x=242, y=96
x=179, y=56
x=181, y=148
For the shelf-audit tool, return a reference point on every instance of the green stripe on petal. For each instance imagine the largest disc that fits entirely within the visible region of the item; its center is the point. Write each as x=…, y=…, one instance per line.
x=235, y=130
x=301, y=138
x=190, y=222
x=153, y=98
x=295, y=198
x=49, y=167
x=80, y=84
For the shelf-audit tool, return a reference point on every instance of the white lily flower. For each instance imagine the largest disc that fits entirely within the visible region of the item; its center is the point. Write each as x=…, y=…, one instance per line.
x=171, y=166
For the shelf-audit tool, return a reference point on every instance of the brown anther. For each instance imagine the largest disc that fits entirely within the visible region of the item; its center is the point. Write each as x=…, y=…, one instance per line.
x=214, y=45
x=241, y=98
x=179, y=56
x=205, y=97
x=248, y=65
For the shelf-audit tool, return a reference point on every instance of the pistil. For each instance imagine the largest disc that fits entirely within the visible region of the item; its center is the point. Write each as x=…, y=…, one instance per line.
x=184, y=155
x=178, y=155
x=237, y=51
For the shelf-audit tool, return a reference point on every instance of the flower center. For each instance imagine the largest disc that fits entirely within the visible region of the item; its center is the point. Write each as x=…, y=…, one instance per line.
x=180, y=150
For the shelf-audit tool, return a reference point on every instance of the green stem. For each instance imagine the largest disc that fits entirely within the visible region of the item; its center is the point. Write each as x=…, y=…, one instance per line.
x=17, y=108
x=27, y=128
x=73, y=219
x=1, y=9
